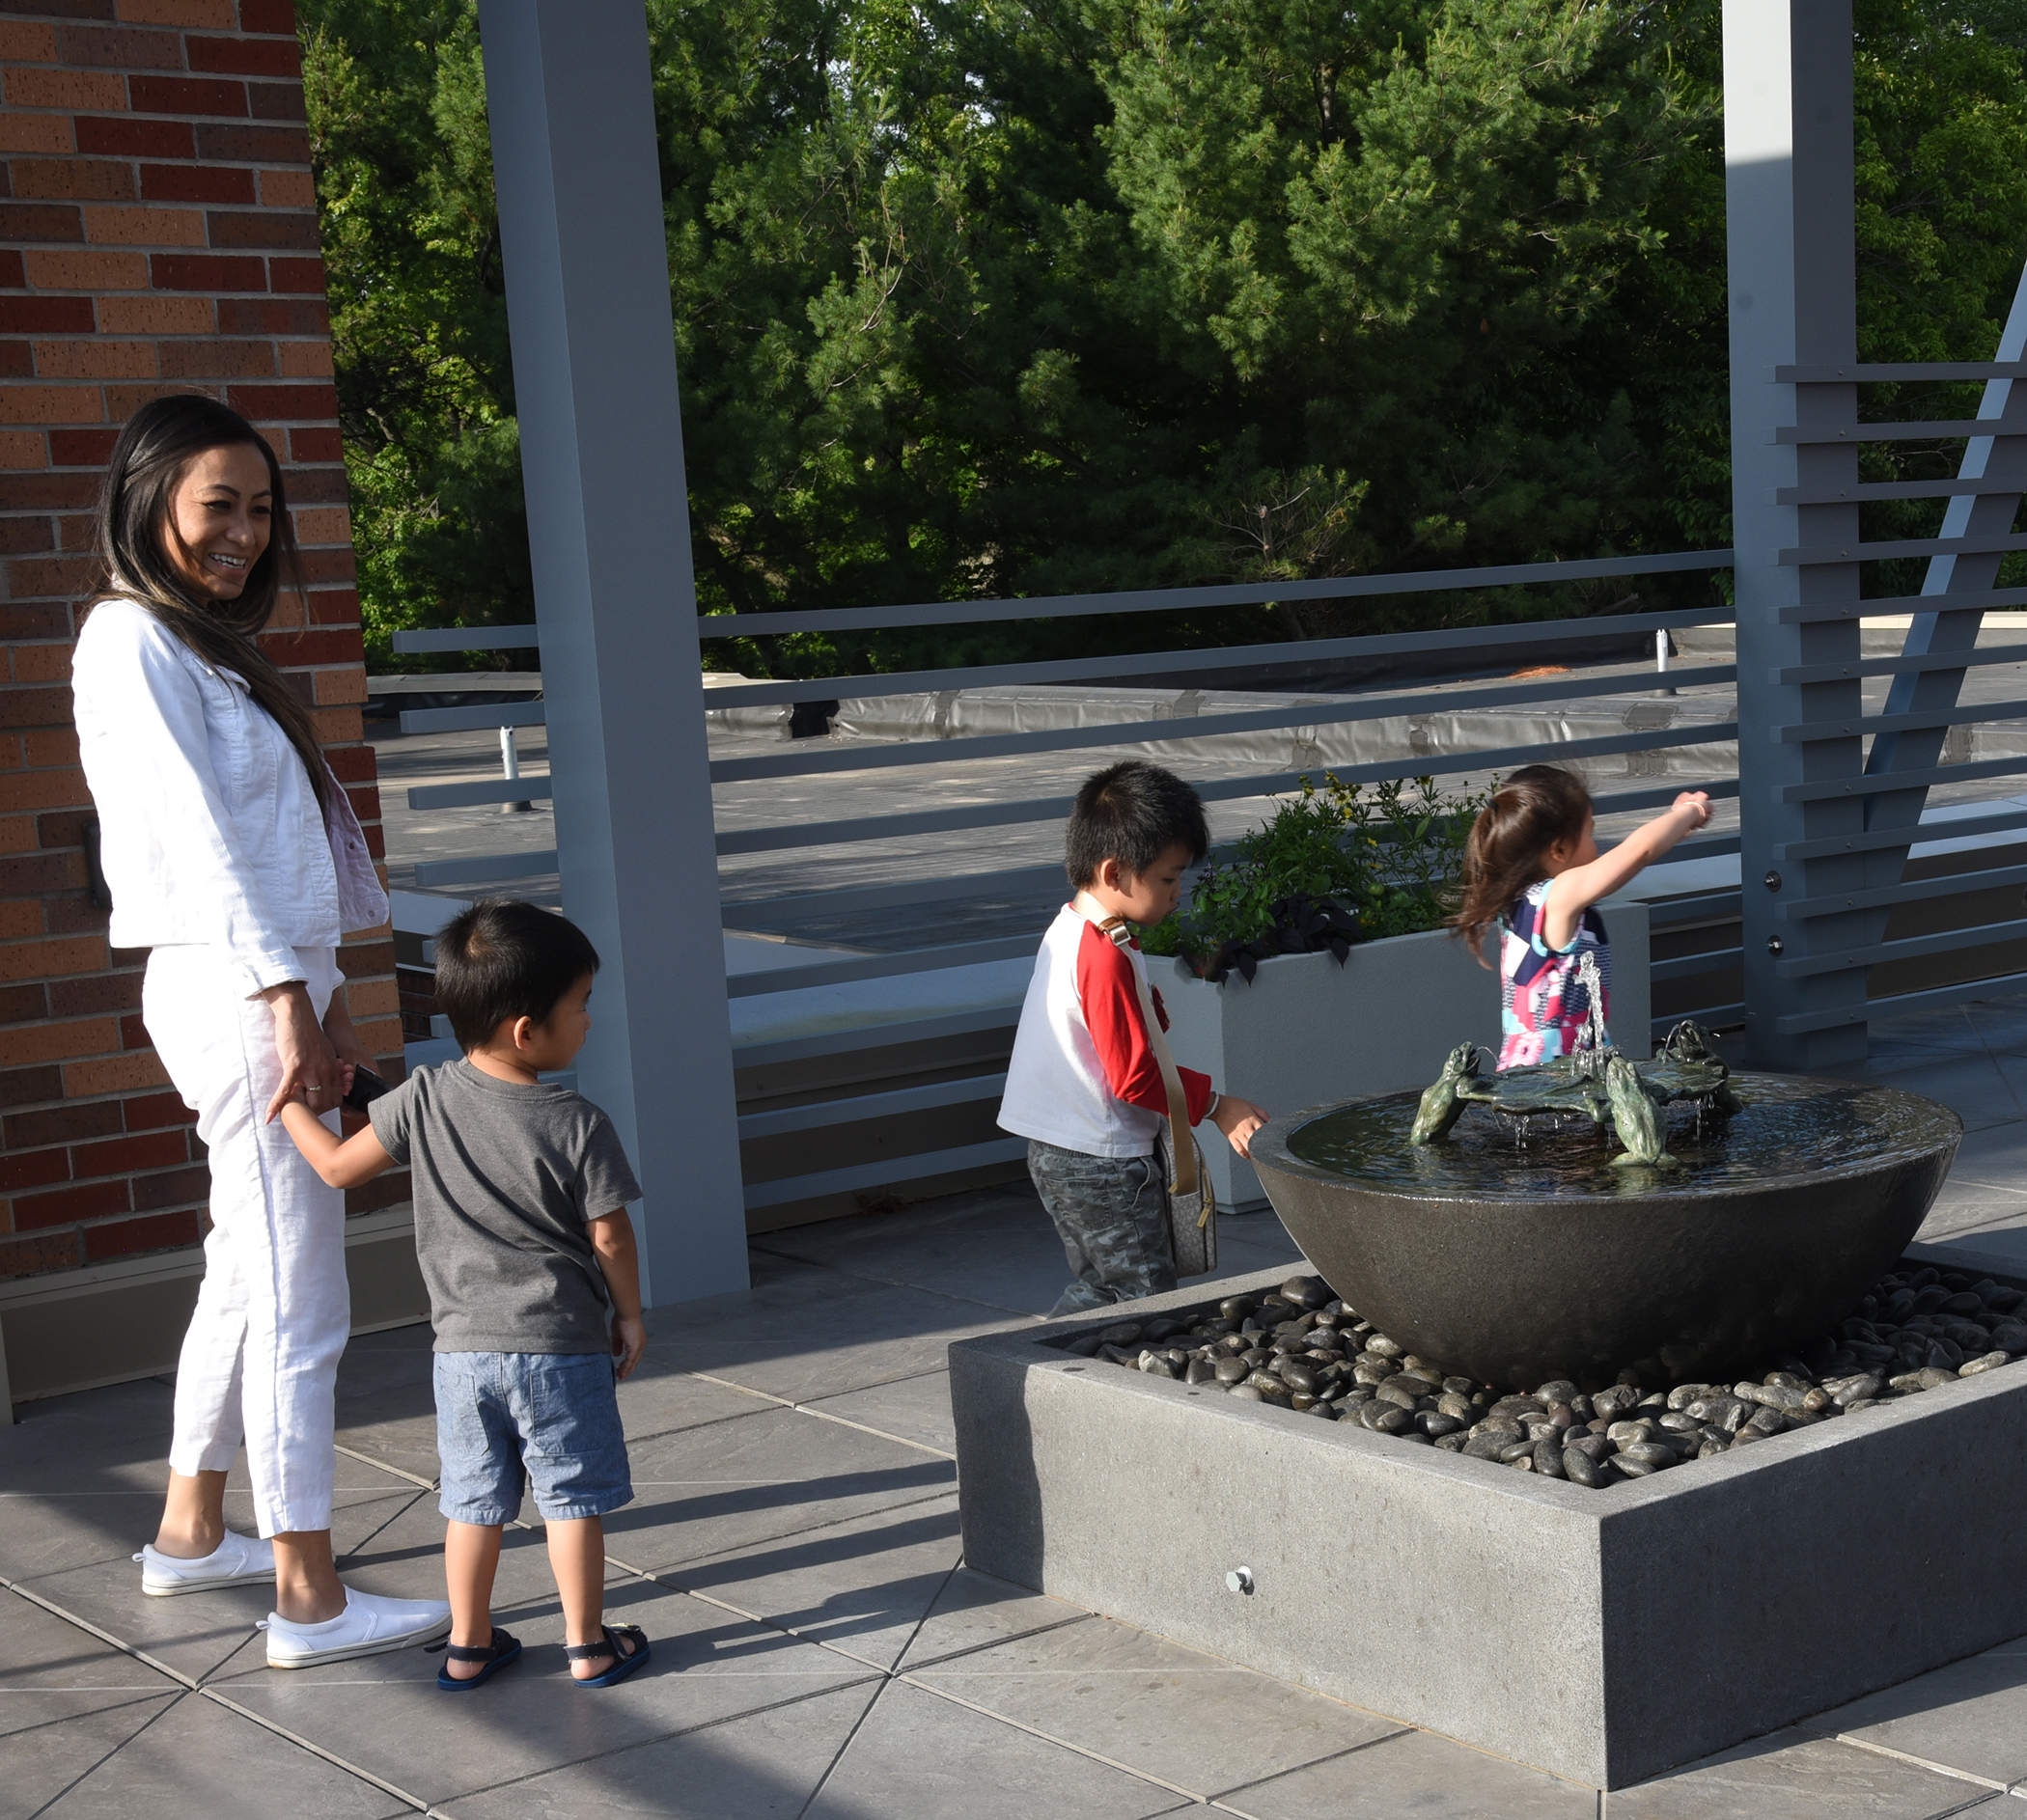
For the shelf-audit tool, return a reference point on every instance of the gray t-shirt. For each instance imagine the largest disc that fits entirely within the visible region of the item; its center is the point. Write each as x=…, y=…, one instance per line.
x=506, y=1179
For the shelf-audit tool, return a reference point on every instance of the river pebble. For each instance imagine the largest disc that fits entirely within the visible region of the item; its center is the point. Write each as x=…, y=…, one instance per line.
x=1300, y=1349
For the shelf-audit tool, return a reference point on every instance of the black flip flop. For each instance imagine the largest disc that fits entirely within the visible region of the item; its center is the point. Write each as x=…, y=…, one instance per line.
x=496, y=1655
x=623, y=1665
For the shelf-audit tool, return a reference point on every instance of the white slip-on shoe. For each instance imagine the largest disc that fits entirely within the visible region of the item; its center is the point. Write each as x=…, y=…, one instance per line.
x=236, y=1558
x=368, y=1626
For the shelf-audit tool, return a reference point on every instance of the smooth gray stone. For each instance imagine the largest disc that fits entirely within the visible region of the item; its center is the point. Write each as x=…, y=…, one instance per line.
x=1298, y=1377
x=1451, y=1443
x=1391, y=1420
x=1548, y=1459
x=1992, y=1362
x=1268, y=1386
x=1231, y=1370
x=1580, y=1469
x=1385, y=1347
x=1155, y=1366
x=1556, y=1390
x=1453, y=1404
x=1246, y=1392
x=1647, y=1455
x=1487, y=1447
x=1683, y=1394
x=1200, y=1371
x=2011, y=1335
x=1405, y=1395
x=1934, y=1377
x=1122, y=1334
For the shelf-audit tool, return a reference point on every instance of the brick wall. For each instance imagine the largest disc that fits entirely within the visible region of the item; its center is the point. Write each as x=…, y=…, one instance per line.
x=157, y=234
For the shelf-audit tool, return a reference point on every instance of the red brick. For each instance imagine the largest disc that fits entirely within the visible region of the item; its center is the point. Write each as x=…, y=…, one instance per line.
x=44, y=222
x=15, y=361
x=82, y=448
x=95, y=993
x=328, y=565
x=33, y=1168
x=123, y=1156
x=45, y=492
x=206, y=271
x=276, y=101
x=185, y=94
x=93, y=1201
x=133, y=1034
x=253, y=145
x=303, y=277
x=30, y=577
x=274, y=17
x=151, y=1112
x=316, y=444
x=73, y=915
x=74, y=180
x=46, y=1252
x=13, y=275
x=273, y=404
x=236, y=57
x=292, y=650
x=375, y=841
x=263, y=228
x=39, y=875
x=21, y=535
x=261, y=316
x=195, y=183
x=172, y=1187
x=24, y=1004
x=122, y=1238
x=46, y=315
x=35, y=707
x=93, y=46
x=383, y=1191
x=365, y=961
x=63, y=1124
x=27, y=1087
x=208, y=358
x=351, y=764
x=123, y=138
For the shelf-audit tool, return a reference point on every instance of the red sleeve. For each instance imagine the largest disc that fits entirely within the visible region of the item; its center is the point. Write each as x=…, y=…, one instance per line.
x=1111, y=1003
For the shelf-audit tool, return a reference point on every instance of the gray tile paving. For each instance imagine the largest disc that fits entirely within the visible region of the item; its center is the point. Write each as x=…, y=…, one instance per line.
x=1797, y=1778
x=1412, y=1772
x=821, y=1650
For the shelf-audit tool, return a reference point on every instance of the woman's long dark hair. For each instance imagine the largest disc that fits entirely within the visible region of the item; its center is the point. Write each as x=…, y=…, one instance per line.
x=1538, y=806
x=136, y=522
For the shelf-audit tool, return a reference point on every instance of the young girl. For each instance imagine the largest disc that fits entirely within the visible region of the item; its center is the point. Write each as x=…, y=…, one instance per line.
x=1532, y=867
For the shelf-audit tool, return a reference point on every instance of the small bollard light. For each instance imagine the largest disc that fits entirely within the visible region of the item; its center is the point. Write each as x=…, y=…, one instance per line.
x=1240, y=1580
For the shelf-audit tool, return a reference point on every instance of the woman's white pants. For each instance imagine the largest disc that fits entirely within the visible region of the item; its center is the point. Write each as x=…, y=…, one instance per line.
x=260, y=1361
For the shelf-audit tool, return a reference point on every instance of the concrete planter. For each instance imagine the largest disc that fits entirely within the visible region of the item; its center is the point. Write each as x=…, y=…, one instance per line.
x=1604, y=1635
x=1307, y=1030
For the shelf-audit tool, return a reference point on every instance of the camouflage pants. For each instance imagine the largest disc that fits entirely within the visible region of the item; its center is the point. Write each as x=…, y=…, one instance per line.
x=1111, y=1213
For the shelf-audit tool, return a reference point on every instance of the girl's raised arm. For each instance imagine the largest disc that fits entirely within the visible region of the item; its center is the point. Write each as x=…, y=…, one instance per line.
x=1577, y=890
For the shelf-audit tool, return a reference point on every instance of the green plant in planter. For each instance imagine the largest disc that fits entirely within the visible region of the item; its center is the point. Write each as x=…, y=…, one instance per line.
x=1334, y=865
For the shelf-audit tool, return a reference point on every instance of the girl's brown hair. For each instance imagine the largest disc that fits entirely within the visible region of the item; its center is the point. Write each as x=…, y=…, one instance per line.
x=1529, y=813
x=135, y=523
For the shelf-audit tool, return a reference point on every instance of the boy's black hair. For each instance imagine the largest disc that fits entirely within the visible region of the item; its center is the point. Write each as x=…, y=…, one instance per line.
x=1133, y=813
x=505, y=959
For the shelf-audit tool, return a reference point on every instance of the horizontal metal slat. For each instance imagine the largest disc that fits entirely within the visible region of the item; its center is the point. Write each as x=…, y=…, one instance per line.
x=1808, y=733
x=1215, y=657
x=1884, y=839
x=1688, y=966
x=483, y=869
x=467, y=720
x=1901, y=372
x=1899, y=1004
x=1673, y=913
x=1184, y=599
x=1941, y=428
x=1020, y=880
x=490, y=638
x=911, y=961
x=1827, y=554
x=902, y=1030
x=1827, y=612
x=797, y=835
x=500, y=789
x=824, y=1115
x=1660, y=797
x=1831, y=790
x=1907, y=891
x=954, y=751
x=1902, y=665
x=1854, y=491
x=1911, y=948
x=1711, y=1017
x=884, y=1174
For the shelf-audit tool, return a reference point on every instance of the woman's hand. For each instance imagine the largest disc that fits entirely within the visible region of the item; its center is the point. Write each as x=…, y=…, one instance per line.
x=310, y=1065
x=344, y=1039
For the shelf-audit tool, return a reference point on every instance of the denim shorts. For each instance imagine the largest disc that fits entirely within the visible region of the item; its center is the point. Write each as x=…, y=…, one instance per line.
x=552, y=1414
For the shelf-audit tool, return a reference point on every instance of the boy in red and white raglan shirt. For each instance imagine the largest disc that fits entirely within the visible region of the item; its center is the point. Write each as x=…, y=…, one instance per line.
x=1083, y=1086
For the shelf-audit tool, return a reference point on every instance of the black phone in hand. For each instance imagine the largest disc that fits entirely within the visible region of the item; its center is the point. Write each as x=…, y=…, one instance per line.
x=366, y=1087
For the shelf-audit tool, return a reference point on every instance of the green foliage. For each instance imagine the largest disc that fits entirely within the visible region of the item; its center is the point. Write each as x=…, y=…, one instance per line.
x=992, y=297
x=1392, y=858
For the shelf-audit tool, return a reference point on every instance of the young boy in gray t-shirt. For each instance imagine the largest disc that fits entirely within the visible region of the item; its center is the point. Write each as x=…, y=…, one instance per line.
x=521, y=1228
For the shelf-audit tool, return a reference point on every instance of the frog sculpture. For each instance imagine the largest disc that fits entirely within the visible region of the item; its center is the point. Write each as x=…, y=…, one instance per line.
x=1593, y=1079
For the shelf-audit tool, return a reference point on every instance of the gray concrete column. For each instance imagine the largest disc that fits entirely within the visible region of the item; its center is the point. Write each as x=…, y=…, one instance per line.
x=578, y=179
x=1792, y=279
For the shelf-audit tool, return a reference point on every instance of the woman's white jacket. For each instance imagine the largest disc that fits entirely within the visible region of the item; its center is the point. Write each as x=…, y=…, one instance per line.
x=209, y=831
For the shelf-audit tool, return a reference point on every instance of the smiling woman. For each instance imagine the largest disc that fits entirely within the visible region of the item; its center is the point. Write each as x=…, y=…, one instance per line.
x=235, y=858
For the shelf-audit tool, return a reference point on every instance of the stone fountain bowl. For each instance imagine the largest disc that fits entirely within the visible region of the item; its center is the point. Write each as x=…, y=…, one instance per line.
x=1516, y=1258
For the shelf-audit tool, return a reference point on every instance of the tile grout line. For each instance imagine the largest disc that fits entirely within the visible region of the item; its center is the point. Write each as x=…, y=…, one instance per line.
x=84, y=1775
x=1918, y=1762
x=398, y=1472
x=806, y=1409
x=315, y=1750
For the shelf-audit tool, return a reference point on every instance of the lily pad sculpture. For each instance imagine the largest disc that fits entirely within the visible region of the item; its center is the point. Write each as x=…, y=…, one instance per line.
x=1594, y=1081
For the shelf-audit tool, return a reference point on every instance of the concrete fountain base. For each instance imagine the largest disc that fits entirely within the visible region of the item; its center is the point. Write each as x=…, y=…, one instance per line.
x=1604, y=1635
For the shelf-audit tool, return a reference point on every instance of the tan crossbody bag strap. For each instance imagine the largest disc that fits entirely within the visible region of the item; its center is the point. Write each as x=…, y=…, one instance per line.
x=1182, y=1146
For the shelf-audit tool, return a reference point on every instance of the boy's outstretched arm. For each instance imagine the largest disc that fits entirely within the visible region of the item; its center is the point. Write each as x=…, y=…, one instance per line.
x=341, y=1161
x=612, y=1238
